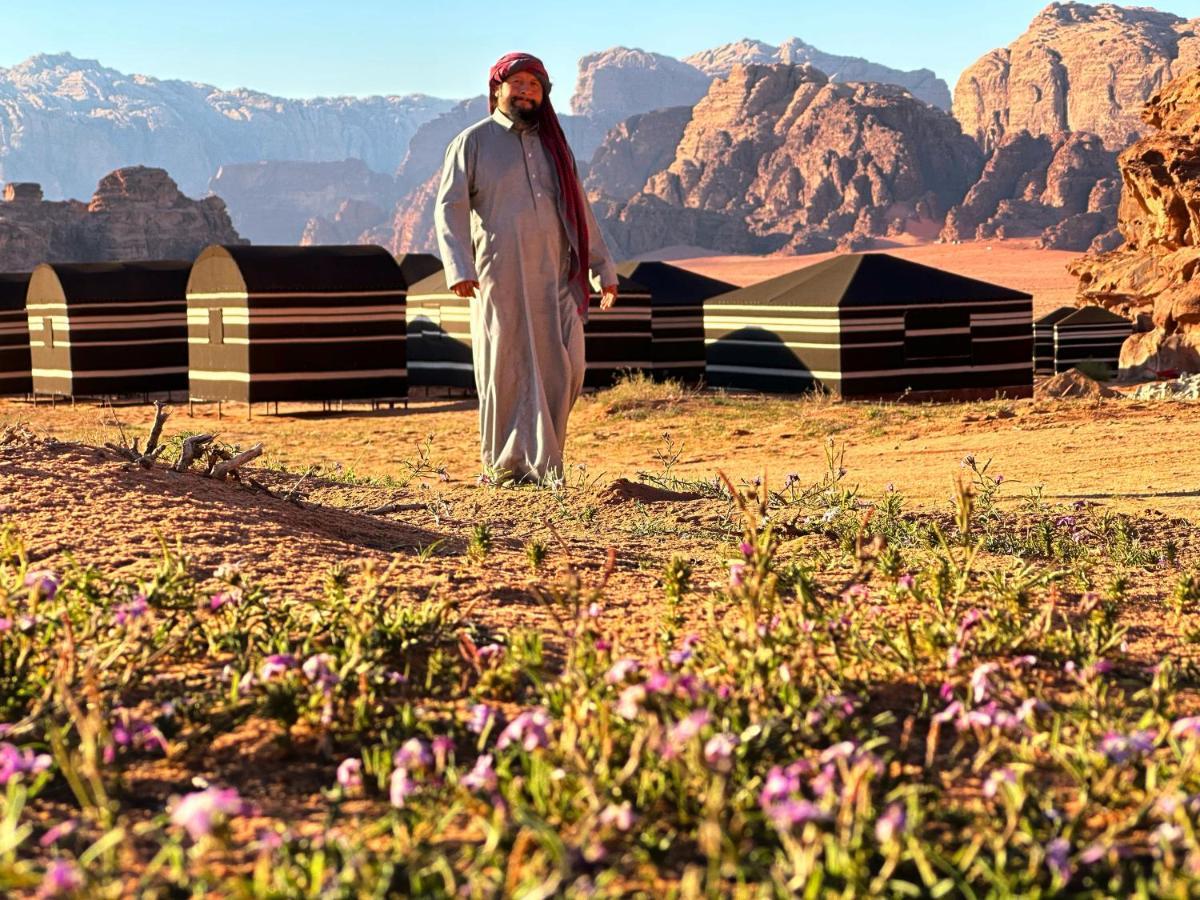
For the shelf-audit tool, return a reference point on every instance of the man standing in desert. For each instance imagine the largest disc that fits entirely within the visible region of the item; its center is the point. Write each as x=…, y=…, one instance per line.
x=517, y=236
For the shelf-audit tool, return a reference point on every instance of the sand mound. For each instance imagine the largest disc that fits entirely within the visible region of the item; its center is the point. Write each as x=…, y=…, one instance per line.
x=625, y=491
x=1072, y=383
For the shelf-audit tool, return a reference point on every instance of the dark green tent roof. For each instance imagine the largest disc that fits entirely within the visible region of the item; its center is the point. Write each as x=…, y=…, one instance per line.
x=1093, y=315
x=1058, y=315
x=672, y=284
x=866, y=279
x=417, y=266
x=13, y=287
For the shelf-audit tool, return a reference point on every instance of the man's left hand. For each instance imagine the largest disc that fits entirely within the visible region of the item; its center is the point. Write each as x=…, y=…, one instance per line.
x=608, y=296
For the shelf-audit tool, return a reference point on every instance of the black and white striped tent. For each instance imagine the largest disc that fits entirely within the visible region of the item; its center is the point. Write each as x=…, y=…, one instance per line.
x=439, y=335
x=1043, y=339
x=863, y=325
x=676, y=316
x=15, y=367
x=107, y=329
x=417, y=267
x=618, y=339
x=1090, y=334
x=296, y=324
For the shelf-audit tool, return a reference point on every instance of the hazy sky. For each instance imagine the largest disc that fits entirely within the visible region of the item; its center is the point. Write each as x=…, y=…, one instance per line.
x=305, y=48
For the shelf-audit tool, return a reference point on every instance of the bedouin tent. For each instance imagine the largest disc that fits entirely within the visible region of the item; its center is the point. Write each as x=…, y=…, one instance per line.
x=1090, y=334
x=15, y=367
x=872, y=325
x=439, y=335
x=1043, y=339
x=105, y=329
x=417, y=267
x=296, y=324
x=676, y=316
x=618, y=339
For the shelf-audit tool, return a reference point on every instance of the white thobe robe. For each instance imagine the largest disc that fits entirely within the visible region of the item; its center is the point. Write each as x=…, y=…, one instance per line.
x=500, y=221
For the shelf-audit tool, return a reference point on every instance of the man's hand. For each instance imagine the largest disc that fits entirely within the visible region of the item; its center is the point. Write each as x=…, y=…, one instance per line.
x=608, y=296
x=465, y=289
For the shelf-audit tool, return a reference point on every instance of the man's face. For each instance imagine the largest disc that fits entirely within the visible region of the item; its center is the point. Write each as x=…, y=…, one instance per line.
x=520, y=97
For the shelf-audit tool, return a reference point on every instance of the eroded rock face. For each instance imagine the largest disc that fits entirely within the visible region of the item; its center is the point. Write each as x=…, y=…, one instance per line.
x=1152, y=276
x=353, y=220
x=635, y=150
x=1060, y=188
x=135, y=213
x=719, y=62
x=1077, y=68
x=622, y=82
x=795, y=162
x=272, y=202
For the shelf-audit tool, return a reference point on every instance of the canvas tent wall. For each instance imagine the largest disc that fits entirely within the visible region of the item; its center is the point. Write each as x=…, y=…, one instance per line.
x=676, y=316
x=15, y=367
x=618, y=339
x=417, y=266
x=872, y=325
x=1090, y=334
x=296, y=324
x=439, y=335
x=1043, y=340
x=107, y=329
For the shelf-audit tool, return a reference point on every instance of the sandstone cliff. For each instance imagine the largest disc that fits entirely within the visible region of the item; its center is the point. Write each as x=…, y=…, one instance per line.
x=135, y=213
x=781, y=158
x=634, y=150
x=271, y=202
x=1060, y=188
x=719, y=62
x=618, y=83
x=63, y=121
x=1152, y=277
x=1077, y=68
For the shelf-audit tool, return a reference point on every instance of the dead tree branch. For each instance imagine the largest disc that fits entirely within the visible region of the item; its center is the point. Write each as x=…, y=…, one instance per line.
x=191, y=446
x=224, y=469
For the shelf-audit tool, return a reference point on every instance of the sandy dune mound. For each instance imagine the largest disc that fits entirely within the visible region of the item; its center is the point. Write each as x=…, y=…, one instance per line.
x=1072, y=383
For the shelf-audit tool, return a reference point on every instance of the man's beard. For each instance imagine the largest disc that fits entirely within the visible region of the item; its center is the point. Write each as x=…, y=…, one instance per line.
x=526, y=115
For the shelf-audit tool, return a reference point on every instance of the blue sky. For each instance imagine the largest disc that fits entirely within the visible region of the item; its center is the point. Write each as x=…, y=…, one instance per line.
x=305, y=48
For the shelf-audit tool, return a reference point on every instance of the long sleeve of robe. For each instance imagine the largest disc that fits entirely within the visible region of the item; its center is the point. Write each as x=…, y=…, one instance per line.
x=499, y=222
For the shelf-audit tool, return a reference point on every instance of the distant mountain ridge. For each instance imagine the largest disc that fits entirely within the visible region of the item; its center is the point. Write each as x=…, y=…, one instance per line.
x=65, y=120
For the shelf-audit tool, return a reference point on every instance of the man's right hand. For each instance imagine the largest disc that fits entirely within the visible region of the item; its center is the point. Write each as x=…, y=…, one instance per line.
x=465, y=289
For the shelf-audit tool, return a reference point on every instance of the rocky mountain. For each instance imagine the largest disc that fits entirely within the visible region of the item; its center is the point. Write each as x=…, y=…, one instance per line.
x=1153, y=277
x=135, y=213
x=719, y=62
x=621, y=82
x=1061, y=188
x=780, y=158
x=1076, y=68
x=273, y=202
x=64, y=120
x=633, y=151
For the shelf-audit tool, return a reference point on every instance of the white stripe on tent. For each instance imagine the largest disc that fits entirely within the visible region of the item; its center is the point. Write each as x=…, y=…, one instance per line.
x=417, y=364
x=245, y=295
x=857, y=308
x=302, y=340
x=115, y=304
x=106, y=373
x=803, y=345
x=878, y=373
x=929, y=332
x=246, y=377
x=141, y=342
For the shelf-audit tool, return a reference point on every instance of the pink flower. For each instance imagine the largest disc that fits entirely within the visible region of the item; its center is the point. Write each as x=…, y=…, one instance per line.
x=1188, y=727
x=906, y=582
x=321, y=668
x=349, y=773
x=621, y=670
x=59, y=831
x=131, y=611
x=43, y=582
x=62, y=879
x=482, y=777
x=401, y=788
x=275, y=665
x=718, y=751
x=223, y=598
x=413, y=754
x=737, y=572
x=890, y=825
x=996, y=779
x=199, y=811
x=529, y=729
x=482, y=718
x=684, y=731
x=491, y=651
x=629, y=703
x=15, y=762
x=619, y=817
x=979, y=680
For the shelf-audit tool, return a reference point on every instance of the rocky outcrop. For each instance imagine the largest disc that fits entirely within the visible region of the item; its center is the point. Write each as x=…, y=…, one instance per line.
x=635, y=150
x=135, y=213
x=353, y=220
x=780, y=158
x=719, y=62
x=1077, y=68
x=1152, y=277
x=63, y=121
x=1060, y=188
x=622, y=82
x=272, y=202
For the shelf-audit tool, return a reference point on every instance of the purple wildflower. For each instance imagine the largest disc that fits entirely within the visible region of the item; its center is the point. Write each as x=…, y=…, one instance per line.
x=482, y=777
x=62, y=879
x=737, y=571
x=890, y=825
x=349, y=773
x=629, y=703
x=1065, y=522
x=953, y=657
x=320, y=669
x=1188, y=727
x=43, y=582
x=684, y=731
x=442, y=747
x=58, y=832
x=491, y=651
x=15, y=762
x=791, y=812
x=619, y=817
x=979, y=680
x=1058, y=854
x=529, y=729
x=275, y=665
x=1121, y=748
x=747, y=549
x=482, y=718
x=621, y=670
x=413, y=754
x=996, y=779
x=131, y=611
x=906, y=582
x=231, y=597
x=199, y=811
x=401, y=788
x=718, y=751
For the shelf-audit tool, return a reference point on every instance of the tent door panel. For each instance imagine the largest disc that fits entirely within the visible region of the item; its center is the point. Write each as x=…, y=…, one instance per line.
x=216, y=326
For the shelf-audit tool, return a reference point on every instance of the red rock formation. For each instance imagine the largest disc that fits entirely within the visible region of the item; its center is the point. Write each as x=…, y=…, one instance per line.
x=136, y=213
x=1077, y=68
x=779, y=157
x=1060, y=188
x=1152, y=277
